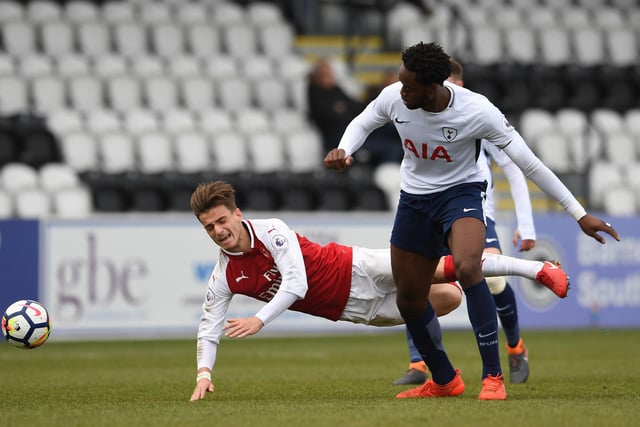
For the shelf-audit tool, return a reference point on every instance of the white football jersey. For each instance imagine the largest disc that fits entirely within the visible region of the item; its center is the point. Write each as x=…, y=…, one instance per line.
x=441, y=149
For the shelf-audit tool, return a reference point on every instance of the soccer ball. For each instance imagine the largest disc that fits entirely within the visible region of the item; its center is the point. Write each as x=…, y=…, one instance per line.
x=26, y=324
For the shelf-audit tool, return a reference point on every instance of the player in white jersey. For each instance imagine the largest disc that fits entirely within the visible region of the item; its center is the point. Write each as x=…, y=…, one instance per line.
x=441, y=204
x=267, y=260
x=503, y=295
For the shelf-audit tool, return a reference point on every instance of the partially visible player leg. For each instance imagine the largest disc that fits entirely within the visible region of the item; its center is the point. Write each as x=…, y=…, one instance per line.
x=507, y=310
x=547, y=273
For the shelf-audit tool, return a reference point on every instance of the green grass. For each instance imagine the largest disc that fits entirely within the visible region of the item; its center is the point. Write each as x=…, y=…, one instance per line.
x=578, y=378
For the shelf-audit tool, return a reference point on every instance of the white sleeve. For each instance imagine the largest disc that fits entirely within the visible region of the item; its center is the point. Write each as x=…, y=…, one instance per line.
x=519, y=192
x=214, y=310
x=372, y=117
x=542, y=176
x=280, y=302
x=282, y=243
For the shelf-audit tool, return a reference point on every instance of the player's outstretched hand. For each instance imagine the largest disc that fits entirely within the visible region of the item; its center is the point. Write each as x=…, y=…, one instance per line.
x=525, y=245
x=590, y=225
x=336, y=159
x=203, y=386
x=242, y=327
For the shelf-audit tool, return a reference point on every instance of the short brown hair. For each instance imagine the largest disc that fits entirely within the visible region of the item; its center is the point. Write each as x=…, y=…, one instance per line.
x=211, y=194
x=456, y=69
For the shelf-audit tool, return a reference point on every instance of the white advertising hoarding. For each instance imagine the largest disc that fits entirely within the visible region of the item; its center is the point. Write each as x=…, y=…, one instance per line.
x=128, y=277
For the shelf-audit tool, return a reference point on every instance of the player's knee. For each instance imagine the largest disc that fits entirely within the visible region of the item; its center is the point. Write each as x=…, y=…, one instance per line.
x=496, y=284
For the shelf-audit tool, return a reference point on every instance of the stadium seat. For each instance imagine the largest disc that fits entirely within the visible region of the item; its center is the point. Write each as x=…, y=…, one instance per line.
x=270, y=94
x=553, y=150
x=239, y=41
x=32, y=203
x=11, y=11
x=124, y=93
x=227, y=13
x=114, y=12
x=190, y=14
x=110, y=65
x=401, y=16
x=256, y=67
x=40, y=11
x=192, y=152
x=160, y=93
x=100, y=122
x=603, y=176
x=6, y=202
x=54, y=177
x=620, y=148
x=631, y=123
x=234, y=94
x=86, y=93
x=64, y=121
x=16, y=177
x=14, y=95
x=263, y=13
x=555, y=45
x=146, y=66
x=80, y=151
x=72, y=203
x=266, y=150
x=48, y=94
x=620, y=201
x=155, y=13
x=34, y=65
x=221, y=67
x=386, y=176
x=520, y=45
x=229, y=152
x=116, y=151
x=303, y=150
x=19, y=38
x=78, y=11
x=155, y=153
x=177, y=120
x=541, y=17
x=284, y=120
x=197, y=93
x=167, y=40
x=57, y=38
x=251, y=120
x=203, y=41
x=276, y=40
x=130, y=39
x=214, y=120
x=72, y=65
x=588, y=45
x=184, y=66
x=93, y=38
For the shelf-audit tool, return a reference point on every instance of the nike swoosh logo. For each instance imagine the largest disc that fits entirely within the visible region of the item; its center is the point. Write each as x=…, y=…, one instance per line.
x=486, y=335
x=401, y=121
x=465, y=210
x=38, y=312
x=491, y=240
x=552, y=266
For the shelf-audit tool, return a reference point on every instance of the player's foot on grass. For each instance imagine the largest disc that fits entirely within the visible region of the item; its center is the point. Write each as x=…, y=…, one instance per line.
x=455, y=387
x=493, y=388
x=554, y=277
x=518, y=363
x=417, y=374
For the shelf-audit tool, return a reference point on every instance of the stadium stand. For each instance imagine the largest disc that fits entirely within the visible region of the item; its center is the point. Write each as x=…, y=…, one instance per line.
x=107, y=75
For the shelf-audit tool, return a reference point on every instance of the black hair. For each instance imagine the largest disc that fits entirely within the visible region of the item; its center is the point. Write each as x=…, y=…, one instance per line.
x=430, y=63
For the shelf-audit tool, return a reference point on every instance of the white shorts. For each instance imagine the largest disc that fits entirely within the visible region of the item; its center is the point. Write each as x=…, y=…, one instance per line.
x=372, y=299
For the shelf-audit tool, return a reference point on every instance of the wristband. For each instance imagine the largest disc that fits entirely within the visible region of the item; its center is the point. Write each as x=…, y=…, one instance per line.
x=203, y=375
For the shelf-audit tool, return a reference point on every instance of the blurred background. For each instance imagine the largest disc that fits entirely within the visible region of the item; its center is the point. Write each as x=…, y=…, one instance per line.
x=112, y=111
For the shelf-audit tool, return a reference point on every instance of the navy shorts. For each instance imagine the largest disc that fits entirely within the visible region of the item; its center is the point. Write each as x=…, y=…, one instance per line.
x=423, y=220
x=491, y=238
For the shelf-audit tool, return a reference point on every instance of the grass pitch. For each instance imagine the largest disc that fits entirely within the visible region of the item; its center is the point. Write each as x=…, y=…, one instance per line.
x=578, y=378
